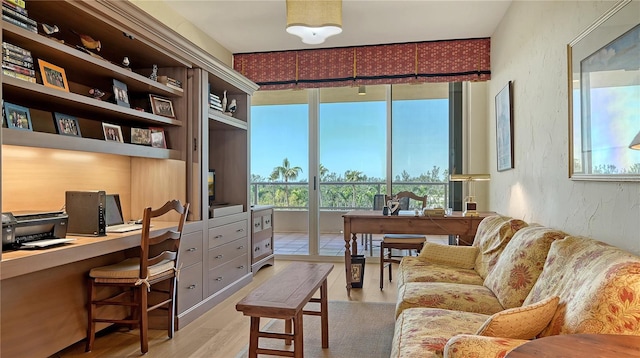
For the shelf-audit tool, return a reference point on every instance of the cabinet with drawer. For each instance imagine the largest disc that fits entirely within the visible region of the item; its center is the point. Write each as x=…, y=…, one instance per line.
x=261, y=237
x=190, y=283
x=227, y=256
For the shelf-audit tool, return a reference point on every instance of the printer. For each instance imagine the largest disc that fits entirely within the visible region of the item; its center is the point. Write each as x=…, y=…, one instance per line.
x=23, y=227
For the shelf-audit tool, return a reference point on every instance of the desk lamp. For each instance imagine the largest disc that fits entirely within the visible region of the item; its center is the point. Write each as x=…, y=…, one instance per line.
x=470, y=205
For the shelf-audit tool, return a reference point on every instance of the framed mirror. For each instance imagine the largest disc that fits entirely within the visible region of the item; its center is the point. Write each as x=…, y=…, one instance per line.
x=604, y=97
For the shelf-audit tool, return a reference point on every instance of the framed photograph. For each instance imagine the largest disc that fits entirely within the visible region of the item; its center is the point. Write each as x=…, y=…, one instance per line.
x=53, y=76
x=141, y=136
x=67, y=125
x=604, y=87
x=157, y=137
x=112, y=132
x=121, y=94
x=161, y=106
x=504, y=128
x=17, y=117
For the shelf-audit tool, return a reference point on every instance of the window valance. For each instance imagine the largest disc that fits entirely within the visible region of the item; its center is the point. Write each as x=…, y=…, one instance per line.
x=432, y=61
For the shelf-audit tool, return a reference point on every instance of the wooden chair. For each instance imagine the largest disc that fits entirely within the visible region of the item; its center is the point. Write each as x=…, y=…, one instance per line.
x=399, y=241
x=134, y=279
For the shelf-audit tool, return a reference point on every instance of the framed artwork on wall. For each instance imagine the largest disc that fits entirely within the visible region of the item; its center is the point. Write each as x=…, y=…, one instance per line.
x=504, y=128
x=604, y=88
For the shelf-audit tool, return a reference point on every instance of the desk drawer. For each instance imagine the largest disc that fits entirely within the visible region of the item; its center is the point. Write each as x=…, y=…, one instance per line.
x=224, y=275
x=227, y=252
x=191, y=248
x=227, y=233
x=266, y=222
x=262, y=248
x=189, y=287
x=257, y=224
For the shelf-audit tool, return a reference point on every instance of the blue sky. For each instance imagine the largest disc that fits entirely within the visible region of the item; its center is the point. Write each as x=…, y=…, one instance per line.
x=352, y=137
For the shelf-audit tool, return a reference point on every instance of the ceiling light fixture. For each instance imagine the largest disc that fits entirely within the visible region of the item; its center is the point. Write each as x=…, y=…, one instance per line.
x=362, y=90
x=314, y=20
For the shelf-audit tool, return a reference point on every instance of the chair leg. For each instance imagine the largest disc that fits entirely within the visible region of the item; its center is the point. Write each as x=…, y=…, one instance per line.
x=370, y=245
x=91, y=326
x=143, y=318
x=390, y=266
x=381, y=266
x=172, y=307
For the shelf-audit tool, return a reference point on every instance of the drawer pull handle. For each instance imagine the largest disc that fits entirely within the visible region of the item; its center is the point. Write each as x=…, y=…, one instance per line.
x=219, y=278
x=267, y=245
x=267, y=221
x=240, y=247
x=217, y=237
x=256, y=225
x=218, y=256
x=256, y=249
x=192, y=249
x=240, y=230
x=191, y=287
x=241, y=267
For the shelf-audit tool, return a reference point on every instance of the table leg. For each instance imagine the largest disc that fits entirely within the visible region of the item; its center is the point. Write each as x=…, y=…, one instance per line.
x=253, y=337
x=324, y=314
x=287, y=329
x=347, y=253
x=298, y=337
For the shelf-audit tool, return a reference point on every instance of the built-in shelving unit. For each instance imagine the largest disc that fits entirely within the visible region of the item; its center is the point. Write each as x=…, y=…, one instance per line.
x=39, y=165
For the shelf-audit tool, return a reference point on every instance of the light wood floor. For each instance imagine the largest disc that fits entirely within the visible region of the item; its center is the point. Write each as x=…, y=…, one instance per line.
x=223, y=332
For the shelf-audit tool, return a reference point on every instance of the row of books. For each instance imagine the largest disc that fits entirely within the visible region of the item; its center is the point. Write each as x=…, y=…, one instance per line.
x=17, y=62
x=214, y=102
x=170, y=82
x=15, y=12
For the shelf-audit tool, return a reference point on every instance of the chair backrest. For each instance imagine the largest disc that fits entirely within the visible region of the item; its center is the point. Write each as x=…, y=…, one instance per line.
x=404, y=197
x=379, y=201
x=165, y=245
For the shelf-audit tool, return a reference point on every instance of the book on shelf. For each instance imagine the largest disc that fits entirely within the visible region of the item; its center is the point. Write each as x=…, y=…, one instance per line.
x=20, y=76
x=18, y=69
x=173, y=86
x=16, y=49
x=18, y=3
x=18, y=23
x=169, y=81
x=15, y=8
x=18, y=16
x=16, y=61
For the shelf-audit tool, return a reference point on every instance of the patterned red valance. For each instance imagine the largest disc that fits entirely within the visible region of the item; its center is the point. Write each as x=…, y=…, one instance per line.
x=434, y=61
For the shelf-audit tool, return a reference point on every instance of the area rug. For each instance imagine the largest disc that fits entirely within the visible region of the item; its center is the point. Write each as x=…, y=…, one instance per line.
x=356, y=330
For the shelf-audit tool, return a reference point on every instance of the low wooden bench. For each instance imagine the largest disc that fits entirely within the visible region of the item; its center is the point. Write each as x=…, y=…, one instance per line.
x=283, y=297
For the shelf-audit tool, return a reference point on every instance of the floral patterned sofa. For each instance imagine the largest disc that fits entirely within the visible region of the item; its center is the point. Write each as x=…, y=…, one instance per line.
x=525, y=281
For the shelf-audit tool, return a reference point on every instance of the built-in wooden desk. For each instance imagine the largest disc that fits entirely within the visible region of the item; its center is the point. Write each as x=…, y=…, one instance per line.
x=43, y=306
x=373, y=222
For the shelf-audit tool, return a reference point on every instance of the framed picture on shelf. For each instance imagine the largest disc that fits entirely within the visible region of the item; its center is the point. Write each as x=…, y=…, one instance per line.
x=157, y=137
x=161, y=106
x=67, y=125
x=504, y=128
x=121, y=94
x=53, y=76
x=112, y=132
x=141, y=136
x=17, y=117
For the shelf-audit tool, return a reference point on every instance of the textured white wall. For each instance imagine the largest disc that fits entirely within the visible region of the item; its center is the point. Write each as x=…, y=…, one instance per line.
x=529, y=48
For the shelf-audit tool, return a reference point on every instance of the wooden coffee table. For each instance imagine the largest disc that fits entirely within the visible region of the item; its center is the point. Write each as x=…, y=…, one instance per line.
x=283, y=297
x=579, y=345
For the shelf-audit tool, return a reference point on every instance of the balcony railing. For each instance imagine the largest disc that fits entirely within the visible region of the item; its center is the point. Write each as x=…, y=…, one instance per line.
x=341, y=196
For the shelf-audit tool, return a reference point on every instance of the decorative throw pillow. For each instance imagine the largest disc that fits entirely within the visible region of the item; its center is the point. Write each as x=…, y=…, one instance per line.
x=456, y=256
x=524, y=322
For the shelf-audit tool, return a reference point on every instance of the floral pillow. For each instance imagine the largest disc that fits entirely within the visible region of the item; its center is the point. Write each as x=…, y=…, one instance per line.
x=524, y=322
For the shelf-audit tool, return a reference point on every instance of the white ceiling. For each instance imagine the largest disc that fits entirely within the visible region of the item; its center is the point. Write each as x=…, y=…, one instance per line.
x=256, y=26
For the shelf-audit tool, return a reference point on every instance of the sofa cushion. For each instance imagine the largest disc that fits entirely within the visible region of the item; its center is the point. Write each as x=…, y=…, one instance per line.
x=524, y=322
x=455, y=256
x=419, y=269
x=520, y=264
x=598, y=286
x=451, y=296
x=423, y=332
x=467, y=346
x=493, y=234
